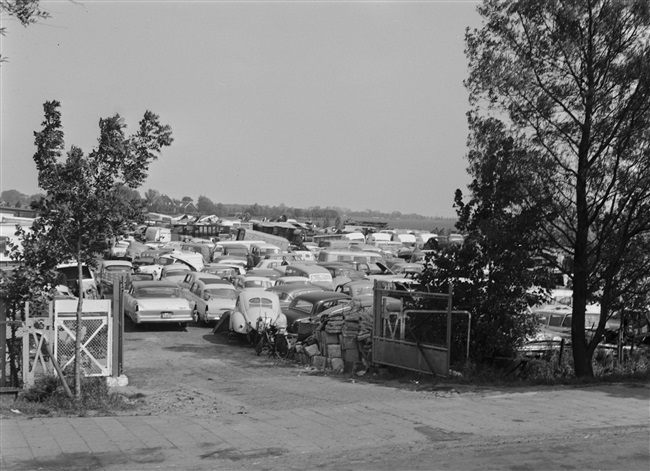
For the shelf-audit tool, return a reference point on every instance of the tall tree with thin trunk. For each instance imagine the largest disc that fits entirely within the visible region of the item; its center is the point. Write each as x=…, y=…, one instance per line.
x=573, y=77
x=88, y=197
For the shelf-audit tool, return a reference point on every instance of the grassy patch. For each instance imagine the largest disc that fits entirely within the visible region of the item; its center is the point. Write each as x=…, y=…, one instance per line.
x=47, y=397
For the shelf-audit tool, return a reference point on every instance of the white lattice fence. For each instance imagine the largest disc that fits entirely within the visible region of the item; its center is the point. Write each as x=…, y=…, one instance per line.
x=96, y=336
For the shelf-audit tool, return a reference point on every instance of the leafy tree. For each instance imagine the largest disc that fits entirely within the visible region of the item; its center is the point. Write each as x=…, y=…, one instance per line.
x=492, y=271
x=88, y=197
x=205, y=205
x=571, y=82
x=27, y=12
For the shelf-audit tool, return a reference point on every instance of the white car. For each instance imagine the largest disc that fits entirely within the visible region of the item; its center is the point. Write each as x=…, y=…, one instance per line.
x=157, y=301
x=211, y=300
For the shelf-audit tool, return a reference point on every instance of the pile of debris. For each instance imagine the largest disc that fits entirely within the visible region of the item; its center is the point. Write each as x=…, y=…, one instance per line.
x=340, y=339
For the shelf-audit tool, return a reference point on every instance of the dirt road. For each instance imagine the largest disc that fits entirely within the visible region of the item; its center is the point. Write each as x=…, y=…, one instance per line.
x=196, y=373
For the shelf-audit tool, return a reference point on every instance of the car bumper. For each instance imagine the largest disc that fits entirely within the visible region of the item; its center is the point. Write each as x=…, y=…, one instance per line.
x=158, y=316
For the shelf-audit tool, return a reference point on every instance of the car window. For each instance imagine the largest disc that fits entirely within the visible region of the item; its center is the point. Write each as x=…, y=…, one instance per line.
x=158, y=292
x=225, y=293
x=555, y=320
x=260, y=302
x=117, y=269
x=302, y=305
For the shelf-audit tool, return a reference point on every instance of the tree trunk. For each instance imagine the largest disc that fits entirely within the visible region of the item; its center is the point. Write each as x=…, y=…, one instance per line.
x=77, y=342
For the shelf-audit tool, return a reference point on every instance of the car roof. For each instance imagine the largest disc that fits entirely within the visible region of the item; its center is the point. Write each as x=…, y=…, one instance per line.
x=294, y=287
x=154, y=284
x=315, y=296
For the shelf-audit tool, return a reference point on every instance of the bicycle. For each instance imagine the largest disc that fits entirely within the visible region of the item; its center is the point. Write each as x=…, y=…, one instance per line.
x=272, y=341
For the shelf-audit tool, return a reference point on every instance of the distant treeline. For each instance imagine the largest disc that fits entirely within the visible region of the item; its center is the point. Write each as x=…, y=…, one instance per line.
x=159, y=202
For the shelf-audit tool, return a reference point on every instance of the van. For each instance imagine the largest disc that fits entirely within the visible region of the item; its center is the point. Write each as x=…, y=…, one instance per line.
x=317, y=275
x=263, y=250
x=158, y=234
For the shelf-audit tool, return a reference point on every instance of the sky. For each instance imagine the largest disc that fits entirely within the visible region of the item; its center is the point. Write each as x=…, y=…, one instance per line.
x=357, y=105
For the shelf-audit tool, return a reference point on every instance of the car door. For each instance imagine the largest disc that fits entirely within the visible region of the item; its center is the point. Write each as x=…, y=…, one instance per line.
x=129, y=302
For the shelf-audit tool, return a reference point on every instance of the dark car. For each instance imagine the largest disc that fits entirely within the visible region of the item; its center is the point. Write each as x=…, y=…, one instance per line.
x=309, y=305
x=288, y=292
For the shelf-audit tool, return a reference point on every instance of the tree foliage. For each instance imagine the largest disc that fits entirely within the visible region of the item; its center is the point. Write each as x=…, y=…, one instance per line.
x=27, y=12
x=570, y=80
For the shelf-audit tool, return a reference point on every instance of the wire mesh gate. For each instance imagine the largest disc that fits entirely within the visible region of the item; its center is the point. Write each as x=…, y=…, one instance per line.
x=56, y=334
x=413, y=330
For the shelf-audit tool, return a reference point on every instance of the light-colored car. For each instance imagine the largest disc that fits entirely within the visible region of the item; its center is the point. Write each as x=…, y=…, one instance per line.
x=175, y=273
x=211, y=299
x=244, y=282
x=193, y=276
x=157, y=301
x=256, y=309
x=69, y=276
x=288, y=280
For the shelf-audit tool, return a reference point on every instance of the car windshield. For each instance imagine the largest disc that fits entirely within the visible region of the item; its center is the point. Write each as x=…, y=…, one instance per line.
x=71, y=273
x=225, y=293
x=211, y=281
x=359, y=290
x=118, y=268
x=175, y=272
x=255, y=284
x=158, y=292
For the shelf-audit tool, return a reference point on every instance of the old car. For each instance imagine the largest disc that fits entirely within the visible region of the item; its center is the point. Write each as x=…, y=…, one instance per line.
x=211, y=299
x=157, y=301
x=314, y=273
x=254, y=310
x=111, y=272
x=69, y=276
x=174, y=272
x=244, y=282
x=311, y=304
x=285, y=280
x=288, y=291
x=225, y=271
x=192, y=276
x=342, y=272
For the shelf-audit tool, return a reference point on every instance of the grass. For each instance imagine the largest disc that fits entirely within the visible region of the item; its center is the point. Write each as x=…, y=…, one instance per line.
x=547, y=371
x=47, y=397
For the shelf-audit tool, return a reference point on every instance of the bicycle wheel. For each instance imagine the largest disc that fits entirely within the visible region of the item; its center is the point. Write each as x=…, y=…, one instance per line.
x=282, y=347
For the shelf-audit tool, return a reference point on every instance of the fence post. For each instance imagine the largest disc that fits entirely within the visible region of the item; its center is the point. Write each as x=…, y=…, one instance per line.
x=3, y=342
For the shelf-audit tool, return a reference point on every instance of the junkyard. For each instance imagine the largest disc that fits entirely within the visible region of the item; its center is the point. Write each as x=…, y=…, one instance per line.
x=201, y=289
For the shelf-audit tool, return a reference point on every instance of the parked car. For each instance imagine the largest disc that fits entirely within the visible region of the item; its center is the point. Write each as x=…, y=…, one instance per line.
x=309, y=305
x=175, y=273
x=69, y=276
x=193, y=276
x=288, y=292
x=110, y=272
x=286, y=280
x=118, y=250
x=256, y=309
x=261, y=251
x=157, y=301
x=211, y=299
x=357, y=288
x=342, y=272
x=225, y=271
x=244, y=282
x=314, y=273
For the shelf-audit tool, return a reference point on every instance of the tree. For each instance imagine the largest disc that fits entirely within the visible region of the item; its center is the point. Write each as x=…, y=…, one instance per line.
x=492, y=271
x=88, y=198
x=206, y=206
x=27, y=12
x=571, y=82
x=152, y=198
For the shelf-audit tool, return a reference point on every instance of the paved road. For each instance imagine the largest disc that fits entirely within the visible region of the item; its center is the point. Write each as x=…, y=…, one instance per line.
x=598, y=427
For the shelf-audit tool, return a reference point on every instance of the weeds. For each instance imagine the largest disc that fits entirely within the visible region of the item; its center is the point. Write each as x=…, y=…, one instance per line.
x=47, y=396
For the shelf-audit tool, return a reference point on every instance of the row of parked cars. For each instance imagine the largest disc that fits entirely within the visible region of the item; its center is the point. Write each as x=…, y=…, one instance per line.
x=162, y=285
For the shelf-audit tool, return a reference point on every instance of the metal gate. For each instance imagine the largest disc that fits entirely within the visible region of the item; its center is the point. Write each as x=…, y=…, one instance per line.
x=413, y=329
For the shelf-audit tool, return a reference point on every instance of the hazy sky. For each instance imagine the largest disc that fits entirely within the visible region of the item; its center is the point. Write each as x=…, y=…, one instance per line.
x=350, y=104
